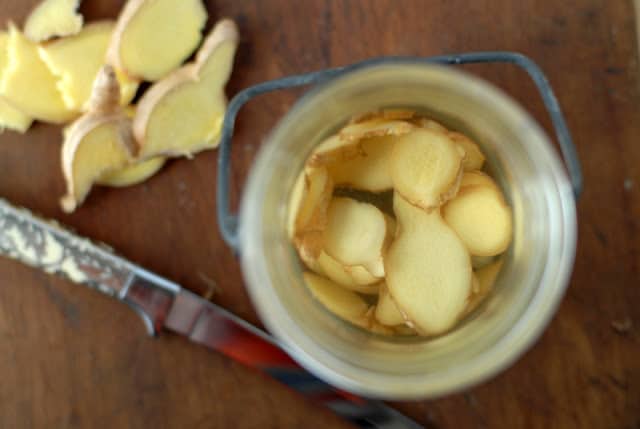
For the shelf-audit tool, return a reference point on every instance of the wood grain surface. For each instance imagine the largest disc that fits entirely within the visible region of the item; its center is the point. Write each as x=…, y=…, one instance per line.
x=70, y=358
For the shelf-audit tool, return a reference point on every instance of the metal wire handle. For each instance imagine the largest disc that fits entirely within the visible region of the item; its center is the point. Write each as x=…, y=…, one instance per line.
x=228, y=222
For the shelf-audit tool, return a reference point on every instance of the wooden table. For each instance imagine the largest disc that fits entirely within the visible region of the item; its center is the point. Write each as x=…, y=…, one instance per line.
x=71, y=358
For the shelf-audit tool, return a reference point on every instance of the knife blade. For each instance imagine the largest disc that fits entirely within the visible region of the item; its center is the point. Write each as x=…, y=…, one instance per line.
x=163, y=304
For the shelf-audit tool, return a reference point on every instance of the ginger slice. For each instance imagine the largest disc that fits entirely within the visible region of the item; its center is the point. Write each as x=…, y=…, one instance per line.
x=426, y=167
x=472, y=178
x=357, y=233
x=10, y=117
x=53, y=18
x=481, y=261
x=76, y=60
x=484, y=279
x=98, y=143
x=307, y=211
x=343, y=303
x=28, y=84
x=428, y=269
x=474, y=158
x=369, y=322
x=384, y=114
x=429, y=124
x=182, y=114
x=355, y=277
x=153, y=37
x=132, y=174
x=333, y=150
x=374, y=128
x=369, y=170
x=481, y=218
x=387, y=312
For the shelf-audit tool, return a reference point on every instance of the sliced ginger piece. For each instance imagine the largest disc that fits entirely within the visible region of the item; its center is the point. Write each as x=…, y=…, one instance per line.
x=428, y=269
x=429, y=124
x=387, y=312
x=133, y=174
x=307, y=212
x=10, y=117
x=153, y=37
x=98, y=143
x=28, y=85
x=474, y=158
x=484, y=280
x=333, y=150
x=374, y=128
x=369, y=170
x=473, y=178
x=182, y=114
x=53, y=18
x=481, y=261
x=343, y=303
x=369, y=322
x=355, y=277
x=357, y=233
x=76, y=60
x=384, y=114
x=481, y=218
x=426, y=168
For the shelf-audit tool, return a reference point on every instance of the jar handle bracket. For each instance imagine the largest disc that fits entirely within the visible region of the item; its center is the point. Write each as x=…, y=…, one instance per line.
x=228, y=222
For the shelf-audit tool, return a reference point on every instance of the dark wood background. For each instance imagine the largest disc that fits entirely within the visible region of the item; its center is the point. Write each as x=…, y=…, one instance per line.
x=71, y=358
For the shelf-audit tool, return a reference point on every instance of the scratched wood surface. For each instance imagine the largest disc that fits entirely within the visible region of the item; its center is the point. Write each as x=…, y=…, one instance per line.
x=70, y=358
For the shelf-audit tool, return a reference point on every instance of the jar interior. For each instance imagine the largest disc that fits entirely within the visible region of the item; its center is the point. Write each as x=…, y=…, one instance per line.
x=531, y=282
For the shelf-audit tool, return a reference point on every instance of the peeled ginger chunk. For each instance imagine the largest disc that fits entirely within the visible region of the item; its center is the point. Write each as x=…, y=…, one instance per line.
x=426, y=167
x=132, y=174
x=342, y=302
x=357, y=234
x=374, y=128
x=10, y=117
x=481, y=218
x=430, y=124
x=76, y=60
x=471, y=178
x=387, y=311
x=333, y=150
x=369, y=170
x=153, y=37
x=485, y=279
x=473, y=158
x=428, y=269
x=53, y=18
x=98, y=143
x=355, y=277
x=182, y=114
x=28, y=84
x=307, y=215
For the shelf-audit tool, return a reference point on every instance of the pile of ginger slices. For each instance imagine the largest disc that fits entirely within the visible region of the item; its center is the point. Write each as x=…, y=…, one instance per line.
x=86, y=76
x=399, y=230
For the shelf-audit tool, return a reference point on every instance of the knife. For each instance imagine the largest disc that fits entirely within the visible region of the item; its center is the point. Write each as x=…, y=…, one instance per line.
x=163, y=304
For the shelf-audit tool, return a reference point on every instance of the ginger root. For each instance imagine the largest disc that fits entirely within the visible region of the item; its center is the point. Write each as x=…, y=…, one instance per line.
x=182, y=114
x=98, y=143
x=76, y=60
x=28, y=84
x=10, y=117
x=53, y=18
x=153, y=37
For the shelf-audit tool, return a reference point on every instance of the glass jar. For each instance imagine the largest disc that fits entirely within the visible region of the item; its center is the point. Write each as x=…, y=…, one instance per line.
x=529, y=288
